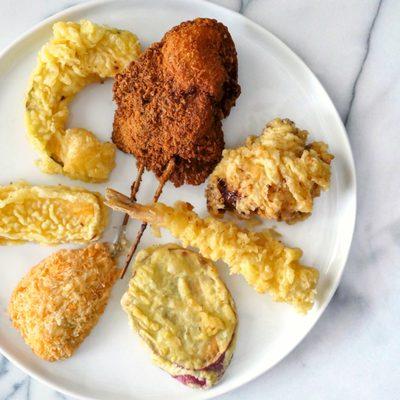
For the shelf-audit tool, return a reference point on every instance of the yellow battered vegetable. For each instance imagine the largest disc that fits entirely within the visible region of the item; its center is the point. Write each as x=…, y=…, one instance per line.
x=77, y=55
x=265, y=262
x=275, y=175
x=50, y=214
x=59, y=301
x=183, y=311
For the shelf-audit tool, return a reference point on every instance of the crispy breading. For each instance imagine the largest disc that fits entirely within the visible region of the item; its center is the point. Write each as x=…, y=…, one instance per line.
x=170, y=101
x=263, y=260
x=57, y=304
x=78, y=54
x=275, y=175
x=50, y=214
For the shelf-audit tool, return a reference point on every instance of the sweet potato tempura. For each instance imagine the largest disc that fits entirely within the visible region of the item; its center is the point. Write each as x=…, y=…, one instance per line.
x=172, y=99
x=265, y=262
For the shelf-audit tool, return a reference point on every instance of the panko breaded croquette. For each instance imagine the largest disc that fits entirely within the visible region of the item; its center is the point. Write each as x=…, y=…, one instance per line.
x=50, y=214
x=170, y=101
x=182, y=310
x=78, y=54
x=57, y=304
x=265, y=262
x=276, y=175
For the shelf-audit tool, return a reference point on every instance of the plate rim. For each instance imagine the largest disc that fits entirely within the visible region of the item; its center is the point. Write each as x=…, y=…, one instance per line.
x=352, y=200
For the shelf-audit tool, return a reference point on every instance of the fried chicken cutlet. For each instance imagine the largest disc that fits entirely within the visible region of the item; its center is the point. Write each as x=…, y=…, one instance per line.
x=170, y=101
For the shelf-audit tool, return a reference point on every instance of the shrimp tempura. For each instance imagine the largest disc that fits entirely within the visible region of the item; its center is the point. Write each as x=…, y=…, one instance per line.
x=266, y=263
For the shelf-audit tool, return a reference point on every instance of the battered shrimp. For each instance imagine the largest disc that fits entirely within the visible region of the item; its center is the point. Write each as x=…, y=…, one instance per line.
x=266, y=263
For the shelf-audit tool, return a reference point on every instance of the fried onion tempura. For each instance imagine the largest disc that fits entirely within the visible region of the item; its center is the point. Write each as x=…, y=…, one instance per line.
x=276, y=175
x=77, y=55
x=266, y=263
x=50, y=214
x=57, y=304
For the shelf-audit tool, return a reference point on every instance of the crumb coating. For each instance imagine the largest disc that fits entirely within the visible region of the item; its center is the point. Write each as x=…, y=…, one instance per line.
x=170, y=101
x=57, y=304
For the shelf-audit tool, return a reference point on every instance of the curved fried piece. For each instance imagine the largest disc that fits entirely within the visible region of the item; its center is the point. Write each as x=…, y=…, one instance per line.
x=57, y=304
x=276, y=175
x=78, y=54
x=265, y=262
x=170, y=101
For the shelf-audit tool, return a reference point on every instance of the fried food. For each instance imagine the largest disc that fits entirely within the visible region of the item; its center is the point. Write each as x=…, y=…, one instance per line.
x=170, y=101
x=265, y=262
x=78, y=54
x=57, y=304
x=50, y=214
x=185, y=314
x=276, y=175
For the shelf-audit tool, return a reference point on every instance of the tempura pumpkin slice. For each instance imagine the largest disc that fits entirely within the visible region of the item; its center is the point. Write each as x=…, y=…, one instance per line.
x=183, y=311
x=50, y=214
x=57, y=304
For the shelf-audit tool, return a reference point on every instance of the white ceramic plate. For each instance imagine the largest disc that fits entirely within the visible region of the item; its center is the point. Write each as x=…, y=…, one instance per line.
x=111, y=363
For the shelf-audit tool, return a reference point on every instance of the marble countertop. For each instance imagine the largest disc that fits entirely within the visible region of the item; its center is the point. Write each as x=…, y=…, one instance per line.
x=353, y=46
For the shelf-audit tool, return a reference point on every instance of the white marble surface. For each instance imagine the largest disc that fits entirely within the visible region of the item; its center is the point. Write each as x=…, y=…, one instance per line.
x=353, y=46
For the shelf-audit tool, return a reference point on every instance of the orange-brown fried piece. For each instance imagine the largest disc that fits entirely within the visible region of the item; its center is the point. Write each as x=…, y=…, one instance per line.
x=57, y=304
x=170, y=101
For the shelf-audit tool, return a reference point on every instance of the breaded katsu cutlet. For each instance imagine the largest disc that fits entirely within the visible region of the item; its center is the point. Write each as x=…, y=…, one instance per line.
x=170, y=101
x=57, y=304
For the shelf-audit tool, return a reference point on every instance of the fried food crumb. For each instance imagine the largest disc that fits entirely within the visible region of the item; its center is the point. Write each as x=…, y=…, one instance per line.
x=57, y=304
x=276, y=175
x=78, y=54
x=170, y=102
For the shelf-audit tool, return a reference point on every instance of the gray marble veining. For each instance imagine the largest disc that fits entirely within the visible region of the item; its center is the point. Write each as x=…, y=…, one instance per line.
x=353, y=46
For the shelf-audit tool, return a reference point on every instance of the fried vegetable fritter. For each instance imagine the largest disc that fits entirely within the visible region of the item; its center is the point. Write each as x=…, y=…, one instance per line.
x=275, y=175
x=185, y=314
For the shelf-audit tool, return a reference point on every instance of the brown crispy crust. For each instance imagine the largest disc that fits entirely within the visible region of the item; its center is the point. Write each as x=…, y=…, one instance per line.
x=171, y=101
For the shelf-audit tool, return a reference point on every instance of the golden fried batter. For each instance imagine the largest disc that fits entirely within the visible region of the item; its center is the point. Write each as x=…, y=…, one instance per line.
x=172, y=99
x=182, y=310
x=50, y=214
x=57, y=304
x=276, y=175
x=265, y=262
x=78, y=54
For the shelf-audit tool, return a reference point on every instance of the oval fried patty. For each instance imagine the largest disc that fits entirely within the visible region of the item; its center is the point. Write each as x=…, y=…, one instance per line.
x=183, y=311
x=57, y=304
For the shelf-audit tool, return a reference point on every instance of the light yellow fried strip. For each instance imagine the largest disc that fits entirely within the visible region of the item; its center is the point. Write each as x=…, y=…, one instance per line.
x=266, y=263
x=50, y=214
